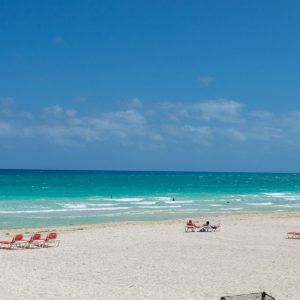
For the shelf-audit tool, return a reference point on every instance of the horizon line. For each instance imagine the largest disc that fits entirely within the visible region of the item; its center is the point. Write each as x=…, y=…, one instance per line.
x=153, y=171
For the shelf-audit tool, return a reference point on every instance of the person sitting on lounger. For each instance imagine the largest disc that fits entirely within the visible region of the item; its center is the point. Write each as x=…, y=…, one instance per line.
x=190, y=226
x=213, y=226
x=190, y=223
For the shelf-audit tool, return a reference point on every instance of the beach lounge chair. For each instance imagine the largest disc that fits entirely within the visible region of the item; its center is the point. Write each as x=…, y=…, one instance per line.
x=293, y=235
x=205, y=228
x=36, y=240
x=209, y=227
x=51, y=238
x=252, y=296
x=16, y=242
x=190, y=226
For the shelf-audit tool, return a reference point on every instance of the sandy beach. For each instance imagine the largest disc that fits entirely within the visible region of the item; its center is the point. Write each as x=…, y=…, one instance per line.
x=158, y=260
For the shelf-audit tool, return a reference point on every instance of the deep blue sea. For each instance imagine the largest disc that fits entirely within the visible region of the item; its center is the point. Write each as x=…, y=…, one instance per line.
x=30, y=198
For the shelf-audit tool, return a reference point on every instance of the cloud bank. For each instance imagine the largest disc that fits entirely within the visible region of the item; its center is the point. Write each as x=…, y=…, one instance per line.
x=201, y=123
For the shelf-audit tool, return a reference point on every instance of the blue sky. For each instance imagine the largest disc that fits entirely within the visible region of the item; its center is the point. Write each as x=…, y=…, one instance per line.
x=150, y=85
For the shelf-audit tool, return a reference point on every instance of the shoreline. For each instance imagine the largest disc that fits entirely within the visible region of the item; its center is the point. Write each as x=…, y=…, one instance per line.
x=214, y=218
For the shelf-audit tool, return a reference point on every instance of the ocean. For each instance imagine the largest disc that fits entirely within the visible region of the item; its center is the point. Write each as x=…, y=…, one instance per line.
x=33, y=198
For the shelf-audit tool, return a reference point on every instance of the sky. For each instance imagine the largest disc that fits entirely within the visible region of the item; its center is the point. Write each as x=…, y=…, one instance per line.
x=197, y=85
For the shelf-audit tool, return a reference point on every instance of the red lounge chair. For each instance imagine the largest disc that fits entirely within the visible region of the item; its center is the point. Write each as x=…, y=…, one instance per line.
x=293, y=235
x=35, y=240
x=16, y=242
x=51, y=238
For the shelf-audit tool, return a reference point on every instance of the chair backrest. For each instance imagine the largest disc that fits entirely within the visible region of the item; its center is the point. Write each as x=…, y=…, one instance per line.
x=35, y=237
x=18, y=237
x=52, y=236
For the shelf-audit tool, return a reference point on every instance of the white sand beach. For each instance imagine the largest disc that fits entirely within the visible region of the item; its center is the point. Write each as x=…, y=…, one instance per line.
x=158, y=260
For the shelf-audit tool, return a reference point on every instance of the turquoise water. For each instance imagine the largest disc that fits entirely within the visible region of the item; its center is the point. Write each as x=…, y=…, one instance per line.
x=45, y=198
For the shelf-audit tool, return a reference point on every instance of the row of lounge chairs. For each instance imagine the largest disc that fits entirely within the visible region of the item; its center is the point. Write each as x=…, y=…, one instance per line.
x=293, y=235
x=34, y=241
x=207, y=227
x=196, y=226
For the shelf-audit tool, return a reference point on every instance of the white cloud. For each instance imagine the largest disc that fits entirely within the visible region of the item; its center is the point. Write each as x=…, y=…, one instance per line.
x=120, y=126
x=136, y=103
x=235, y=134
x=81, y=99
x=58, y=40
x=200, y=134
x=71, y=112
x=264, y=115
x=196, y=134
x=7, y=101
x=6, y=129
x=6, y=112
x=267, y=133
x=27, y=115
x=204, y=123
x=227, y=111
x=70, y=135
x=59, y=111
x=129, y=117
x=157, y=137
x=206, y=80
x=56, y=109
